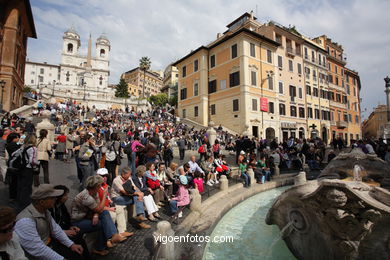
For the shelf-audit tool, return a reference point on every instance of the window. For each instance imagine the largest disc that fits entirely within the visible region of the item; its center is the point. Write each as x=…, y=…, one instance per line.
x=330, y=77
x=348, y=90
x=271, y=107
x=234, y=51
x=222, y=84
x=290, y=65
x=102, y=53
x=235, y=105
x=357, y=119
x=293, y=111
x=300, y=94
x=253, y=50
x=270, y=83
x=306, y=56
x=337, y=80
x=32, y=81
x=345, y=117
x=70, y=47
x=41, y=79
x=308, y=90
x=212, y=61
x=196, y=111
x=196, y=89
x=234, y=79
x=280, y=87
x=254, y=104
x=314, y=75
x=319, y=59
x=212, y=86
x=335, y=68
x=338, y=97
x=299, y=68
x=317, y=113
x=315, y=92
x=278, y=38
x=302, y=112
x=307, y=72
x=184, y=113
x=313, y=56
x=42, y=71
x=280, y=61
x=212, y=109
x=354, y=91
x=183, y=93
x=349, y=118
x=309, y=112
x=253, y=78
x=196, y=65
x=269, y=56
x=282, y=109
x=184, y=71
x=293, y=92
x=32, y=72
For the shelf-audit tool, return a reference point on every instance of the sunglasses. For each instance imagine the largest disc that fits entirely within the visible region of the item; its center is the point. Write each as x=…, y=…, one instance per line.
x=8, y=229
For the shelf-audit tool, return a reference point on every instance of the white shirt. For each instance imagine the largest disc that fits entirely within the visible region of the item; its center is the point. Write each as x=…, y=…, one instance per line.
x=13, y=248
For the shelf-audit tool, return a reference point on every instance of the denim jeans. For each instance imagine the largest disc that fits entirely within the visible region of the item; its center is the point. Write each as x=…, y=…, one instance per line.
x=133, y=158
x=173, y=206
x=105, y=227
x=246, y=178
x=266, y=176
x=127, y=200
x=313, y=164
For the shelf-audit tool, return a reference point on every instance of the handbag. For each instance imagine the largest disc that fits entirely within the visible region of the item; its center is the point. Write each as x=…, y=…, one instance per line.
x=128, y=187
x=118, y=158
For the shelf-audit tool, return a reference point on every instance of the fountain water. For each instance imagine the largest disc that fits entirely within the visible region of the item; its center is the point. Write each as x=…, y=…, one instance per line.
x=253, y=239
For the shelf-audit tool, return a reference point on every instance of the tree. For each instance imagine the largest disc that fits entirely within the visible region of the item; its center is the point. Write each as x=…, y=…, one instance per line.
x=173, y=100
x=144, y=65
x=159, y=99
x=122, y=90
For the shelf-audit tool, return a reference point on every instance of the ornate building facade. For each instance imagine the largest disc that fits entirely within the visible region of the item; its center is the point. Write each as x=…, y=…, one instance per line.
x=16, y=26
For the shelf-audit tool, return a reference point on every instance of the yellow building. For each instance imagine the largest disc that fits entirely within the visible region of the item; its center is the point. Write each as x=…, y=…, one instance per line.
x=171, y=77
x=135, y=78
x=352, y=85
x=224, y=81
x=373, y=126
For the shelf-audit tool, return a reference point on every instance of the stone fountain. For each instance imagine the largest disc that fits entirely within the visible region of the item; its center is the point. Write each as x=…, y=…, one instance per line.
x=344, y=214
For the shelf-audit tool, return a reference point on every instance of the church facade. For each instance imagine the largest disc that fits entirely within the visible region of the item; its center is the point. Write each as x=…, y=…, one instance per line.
x=82, y=78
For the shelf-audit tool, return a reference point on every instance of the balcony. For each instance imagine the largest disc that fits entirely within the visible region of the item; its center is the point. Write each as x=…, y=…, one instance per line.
x=341, y=124
x=290, y=51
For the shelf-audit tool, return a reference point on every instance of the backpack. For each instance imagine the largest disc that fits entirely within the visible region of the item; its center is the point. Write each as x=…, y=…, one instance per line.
x=201, y=149
x=127, y=148
x=17, y=161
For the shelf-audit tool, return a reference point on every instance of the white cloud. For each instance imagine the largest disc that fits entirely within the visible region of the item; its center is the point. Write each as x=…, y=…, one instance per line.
x=167, y=30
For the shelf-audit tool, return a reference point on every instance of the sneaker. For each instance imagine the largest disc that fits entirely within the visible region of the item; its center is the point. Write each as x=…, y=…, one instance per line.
x=180, y=215
x=144, y=225
x=209, y=183
x=216, y=181
x=156, y=215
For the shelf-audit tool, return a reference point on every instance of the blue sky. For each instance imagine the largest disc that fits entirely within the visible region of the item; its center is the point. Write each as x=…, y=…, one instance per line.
x=167, y=30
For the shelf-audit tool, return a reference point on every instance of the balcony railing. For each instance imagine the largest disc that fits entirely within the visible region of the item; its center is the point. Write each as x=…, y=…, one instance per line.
x=342, y=124
x=290, y=51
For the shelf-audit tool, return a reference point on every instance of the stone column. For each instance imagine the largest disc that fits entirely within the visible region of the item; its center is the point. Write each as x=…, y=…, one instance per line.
x=223, y=183
x=162, y=238
x=45, y=124
x=277, y=170
x=196, y=201
x=212, y=134
x=251, y=175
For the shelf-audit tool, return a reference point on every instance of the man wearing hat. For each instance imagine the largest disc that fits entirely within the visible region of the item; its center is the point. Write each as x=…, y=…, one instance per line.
x=40, y=236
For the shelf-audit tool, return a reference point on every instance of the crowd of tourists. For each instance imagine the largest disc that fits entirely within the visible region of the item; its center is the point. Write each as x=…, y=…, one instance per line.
x=123, y=158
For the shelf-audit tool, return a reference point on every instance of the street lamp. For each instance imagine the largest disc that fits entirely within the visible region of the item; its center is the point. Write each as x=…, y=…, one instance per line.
x=387, y=91
x=2, y=84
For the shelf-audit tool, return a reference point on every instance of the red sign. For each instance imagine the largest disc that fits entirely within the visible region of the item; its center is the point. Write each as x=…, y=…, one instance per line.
x=264, y=104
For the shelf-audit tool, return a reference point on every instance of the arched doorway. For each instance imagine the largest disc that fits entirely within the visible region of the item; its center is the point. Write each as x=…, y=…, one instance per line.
x=301, y=133
x=325, y=135
x=270, y=133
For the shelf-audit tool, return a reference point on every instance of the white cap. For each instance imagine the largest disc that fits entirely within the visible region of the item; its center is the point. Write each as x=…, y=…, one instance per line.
x=102, y=171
